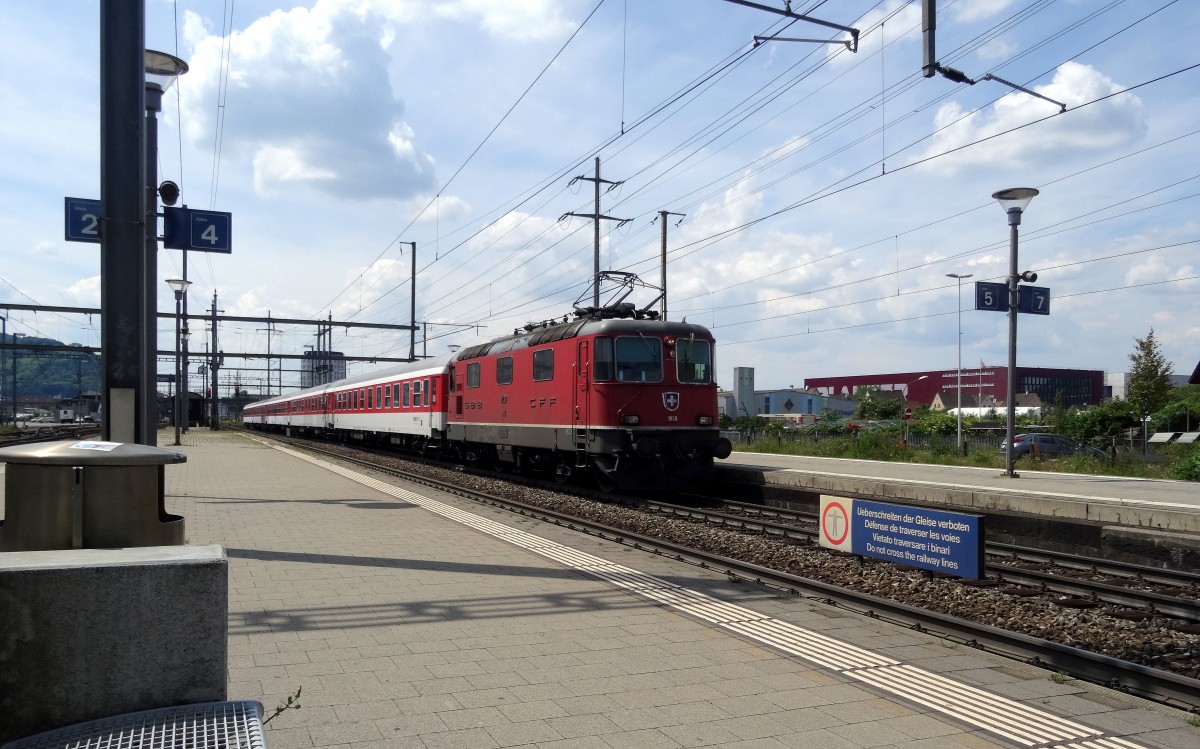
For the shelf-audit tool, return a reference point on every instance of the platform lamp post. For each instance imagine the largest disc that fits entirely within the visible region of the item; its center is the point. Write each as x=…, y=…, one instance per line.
x=160, y=70
x=179, y=286
x=1014, y=201
x=904, y=397
x=958, y=388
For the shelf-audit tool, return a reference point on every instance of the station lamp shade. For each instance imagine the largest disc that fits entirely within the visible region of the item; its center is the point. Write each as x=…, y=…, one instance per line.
x=168, y=191
x=178, y=285
x=1015, y=198
x=163, y=69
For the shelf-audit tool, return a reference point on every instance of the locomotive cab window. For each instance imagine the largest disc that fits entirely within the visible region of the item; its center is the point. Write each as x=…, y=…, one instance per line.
x=543, y=365
x=504, y=370
x=639, y=359
x=473, y=375
x=693, y=360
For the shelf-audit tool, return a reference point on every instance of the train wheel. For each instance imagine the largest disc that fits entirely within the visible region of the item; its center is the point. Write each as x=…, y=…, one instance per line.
x=604, y=482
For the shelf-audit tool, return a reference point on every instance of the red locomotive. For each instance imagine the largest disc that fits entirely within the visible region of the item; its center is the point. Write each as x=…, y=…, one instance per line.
x=614, y=393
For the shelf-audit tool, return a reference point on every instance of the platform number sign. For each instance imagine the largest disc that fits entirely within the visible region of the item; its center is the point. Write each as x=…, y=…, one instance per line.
x=82, y=220
x=991, y=296
x=1034, y=300
x=994, y=298
x=189, y=229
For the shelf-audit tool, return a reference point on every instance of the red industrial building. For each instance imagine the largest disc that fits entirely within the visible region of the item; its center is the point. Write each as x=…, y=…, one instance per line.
x=988, y=385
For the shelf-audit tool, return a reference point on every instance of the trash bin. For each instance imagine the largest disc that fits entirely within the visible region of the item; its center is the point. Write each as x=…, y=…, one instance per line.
x=85, y=494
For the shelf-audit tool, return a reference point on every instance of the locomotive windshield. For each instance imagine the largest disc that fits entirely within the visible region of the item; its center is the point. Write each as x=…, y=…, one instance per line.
x=628, y=359
x=694, y=361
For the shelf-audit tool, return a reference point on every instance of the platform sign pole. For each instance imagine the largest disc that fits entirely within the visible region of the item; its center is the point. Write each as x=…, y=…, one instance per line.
x=122, y=239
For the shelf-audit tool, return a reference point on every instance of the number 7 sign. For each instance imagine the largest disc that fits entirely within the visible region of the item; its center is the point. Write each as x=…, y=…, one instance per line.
x=1034, y=299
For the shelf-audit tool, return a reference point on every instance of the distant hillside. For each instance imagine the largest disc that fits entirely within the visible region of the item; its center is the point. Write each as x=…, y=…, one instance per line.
x=53, y=374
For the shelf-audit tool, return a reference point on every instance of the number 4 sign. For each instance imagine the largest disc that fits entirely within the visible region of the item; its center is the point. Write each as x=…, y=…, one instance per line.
x=189, y=229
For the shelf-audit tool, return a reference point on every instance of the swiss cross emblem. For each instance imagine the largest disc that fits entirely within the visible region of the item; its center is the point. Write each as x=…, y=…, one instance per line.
x=671, y=401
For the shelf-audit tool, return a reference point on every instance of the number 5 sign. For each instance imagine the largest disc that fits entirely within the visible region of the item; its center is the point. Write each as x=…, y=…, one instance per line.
x=188, y=229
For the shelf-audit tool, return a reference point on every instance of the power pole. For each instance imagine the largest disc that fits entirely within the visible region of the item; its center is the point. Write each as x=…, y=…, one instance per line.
x=412, y=333
x=214, y=421
x=662, y=215
x=270, y=329
x=596, y=217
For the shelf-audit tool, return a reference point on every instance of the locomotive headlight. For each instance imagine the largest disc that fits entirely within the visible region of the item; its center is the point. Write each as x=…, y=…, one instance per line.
x=631, y=420
x=704, y=421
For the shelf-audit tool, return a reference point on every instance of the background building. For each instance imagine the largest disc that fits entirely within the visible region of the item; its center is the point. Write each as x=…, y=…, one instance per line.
x=320, y=367
x=1071, y=387
x=1116, y=384
x=744, y=400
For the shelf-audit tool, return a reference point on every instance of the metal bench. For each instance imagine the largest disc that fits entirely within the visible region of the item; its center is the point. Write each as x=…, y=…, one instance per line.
x=207, y=725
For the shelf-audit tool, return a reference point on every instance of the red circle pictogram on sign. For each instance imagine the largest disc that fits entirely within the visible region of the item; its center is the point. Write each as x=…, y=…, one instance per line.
x=838, y=512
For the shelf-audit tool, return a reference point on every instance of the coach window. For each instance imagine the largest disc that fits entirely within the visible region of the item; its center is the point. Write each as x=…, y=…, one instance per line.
x=425, y=395
x=362, y=399
x=504, y=370
x=387, y=395
x=379, y=396
x=639, y=359
x=694, y=361
x=473, y=374
x=406, y=391
x=602, y=359
x=416, y=393
x=543, y=365
x=433, y=391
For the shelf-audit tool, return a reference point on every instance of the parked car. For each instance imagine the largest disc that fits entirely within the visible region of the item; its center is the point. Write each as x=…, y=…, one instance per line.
x=1049, y=446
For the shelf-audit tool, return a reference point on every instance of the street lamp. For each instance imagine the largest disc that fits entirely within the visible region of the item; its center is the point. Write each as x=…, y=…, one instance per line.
x=958, y=391
x=1014, y=201
x=160, y=70
x=904, y=396
x=179, y=286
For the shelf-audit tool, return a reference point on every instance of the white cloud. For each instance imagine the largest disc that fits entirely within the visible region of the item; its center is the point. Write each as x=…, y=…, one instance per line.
x=969, y=11
x=277, y=169
x=1096, y=128
x=84, y=292
x=308, y=95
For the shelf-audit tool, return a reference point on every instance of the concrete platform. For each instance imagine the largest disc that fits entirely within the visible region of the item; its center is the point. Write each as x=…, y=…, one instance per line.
x=411, y=619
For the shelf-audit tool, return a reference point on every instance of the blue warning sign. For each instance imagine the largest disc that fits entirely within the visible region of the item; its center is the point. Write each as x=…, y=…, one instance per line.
x=949, y=542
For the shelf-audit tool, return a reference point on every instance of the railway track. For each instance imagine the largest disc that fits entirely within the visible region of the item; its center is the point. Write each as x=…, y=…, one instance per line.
x=51, y=434
x=1173, y=684
x=1077, y=581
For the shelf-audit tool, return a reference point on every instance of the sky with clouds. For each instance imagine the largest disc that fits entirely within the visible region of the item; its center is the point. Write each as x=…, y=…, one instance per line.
x=825, y=192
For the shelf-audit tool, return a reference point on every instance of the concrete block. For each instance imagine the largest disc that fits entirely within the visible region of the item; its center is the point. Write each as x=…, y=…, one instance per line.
x=89, y=633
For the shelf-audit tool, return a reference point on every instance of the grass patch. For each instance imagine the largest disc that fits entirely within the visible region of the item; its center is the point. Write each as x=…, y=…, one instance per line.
x=890, y=446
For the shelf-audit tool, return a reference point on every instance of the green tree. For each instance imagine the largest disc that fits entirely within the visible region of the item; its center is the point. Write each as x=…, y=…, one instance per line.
x=1101, y=423
x=872, y=406
x=1182, y=411
x=1149, y=377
